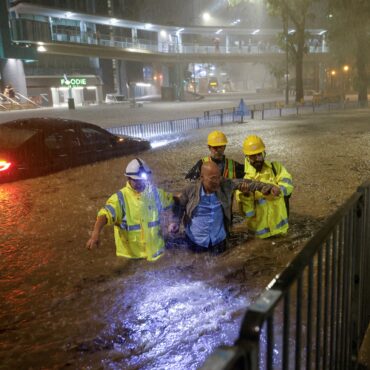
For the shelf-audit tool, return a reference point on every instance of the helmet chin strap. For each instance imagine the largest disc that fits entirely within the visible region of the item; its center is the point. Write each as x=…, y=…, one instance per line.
x=141, y=166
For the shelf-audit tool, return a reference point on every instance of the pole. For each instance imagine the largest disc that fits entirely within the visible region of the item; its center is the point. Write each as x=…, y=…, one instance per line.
x=285, y=26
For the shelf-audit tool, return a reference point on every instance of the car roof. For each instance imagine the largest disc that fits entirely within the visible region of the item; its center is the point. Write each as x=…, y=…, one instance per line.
x=47, y=123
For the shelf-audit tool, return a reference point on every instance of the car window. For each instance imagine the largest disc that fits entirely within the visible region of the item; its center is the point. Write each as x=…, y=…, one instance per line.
x=94, y=136
x=67, y=138
x=11, y=138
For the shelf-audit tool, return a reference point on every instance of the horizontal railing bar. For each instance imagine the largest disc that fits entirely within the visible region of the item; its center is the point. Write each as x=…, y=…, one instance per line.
x=287, y=277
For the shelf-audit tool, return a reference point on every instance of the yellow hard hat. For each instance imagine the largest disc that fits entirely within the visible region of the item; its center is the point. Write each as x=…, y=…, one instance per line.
x=217, y=138
x=253, y=145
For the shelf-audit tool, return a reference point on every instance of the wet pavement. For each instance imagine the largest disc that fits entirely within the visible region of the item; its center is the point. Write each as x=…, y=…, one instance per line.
x=115, y=115
x=62, y=306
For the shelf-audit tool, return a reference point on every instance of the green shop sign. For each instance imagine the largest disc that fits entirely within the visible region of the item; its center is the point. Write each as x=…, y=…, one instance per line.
x=73, y=82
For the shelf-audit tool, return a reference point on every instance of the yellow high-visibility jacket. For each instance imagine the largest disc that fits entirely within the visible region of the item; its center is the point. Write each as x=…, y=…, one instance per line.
x=266, y=215
x=136, y=220
x=229, y=167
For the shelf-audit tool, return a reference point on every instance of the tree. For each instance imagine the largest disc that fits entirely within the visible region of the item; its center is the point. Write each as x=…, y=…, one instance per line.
x=295, y=13
x=350, y=41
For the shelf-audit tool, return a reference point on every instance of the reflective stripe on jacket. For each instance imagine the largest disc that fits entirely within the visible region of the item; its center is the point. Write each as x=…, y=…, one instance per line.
x=136, y=220
x=228, y=166
x=266, y=215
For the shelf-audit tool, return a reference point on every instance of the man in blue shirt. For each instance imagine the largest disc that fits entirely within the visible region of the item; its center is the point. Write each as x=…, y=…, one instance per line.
x=206, y=208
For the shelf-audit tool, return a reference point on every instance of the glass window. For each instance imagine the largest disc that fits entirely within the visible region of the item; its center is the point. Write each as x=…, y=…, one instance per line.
x=63, y=139
x=11, y=138
x=94, y=136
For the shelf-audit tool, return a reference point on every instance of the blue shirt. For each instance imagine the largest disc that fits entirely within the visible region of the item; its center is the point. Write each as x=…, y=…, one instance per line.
x=207, y=223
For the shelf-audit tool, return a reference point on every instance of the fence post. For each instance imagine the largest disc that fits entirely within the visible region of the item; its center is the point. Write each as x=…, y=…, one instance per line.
x=356, y=279
x=233, y=114
x=141, y=130
x=252, y=114
x=263, y=113
x=197, y=120
x=171, y=126
x=222, y=117
x=280, y=109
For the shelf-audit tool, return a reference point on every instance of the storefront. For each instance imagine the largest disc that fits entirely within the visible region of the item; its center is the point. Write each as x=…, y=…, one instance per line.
x=55, y=90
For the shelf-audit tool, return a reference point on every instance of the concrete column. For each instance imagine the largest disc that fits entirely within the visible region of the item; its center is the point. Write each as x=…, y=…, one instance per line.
x=106, y=74
x=179, y=42
x=83, y=32
x=134, y=35
x=166, y=76
x=122, y=78
x=12, y=73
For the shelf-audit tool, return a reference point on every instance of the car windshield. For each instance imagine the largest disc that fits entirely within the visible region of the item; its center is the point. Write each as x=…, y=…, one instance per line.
x=11, y=138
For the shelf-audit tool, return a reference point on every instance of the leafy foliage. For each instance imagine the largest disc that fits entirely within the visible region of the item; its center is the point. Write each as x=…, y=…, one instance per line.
x=294, y=13
x=349, y=30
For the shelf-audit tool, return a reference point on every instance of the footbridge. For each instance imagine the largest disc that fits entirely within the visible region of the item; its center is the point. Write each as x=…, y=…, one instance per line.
x=59, y=32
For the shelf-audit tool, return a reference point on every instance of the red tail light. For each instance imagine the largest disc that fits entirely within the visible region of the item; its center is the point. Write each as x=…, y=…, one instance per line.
x=4, y=165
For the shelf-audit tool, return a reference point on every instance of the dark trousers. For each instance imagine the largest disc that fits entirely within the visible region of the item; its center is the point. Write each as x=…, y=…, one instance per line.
x=213, y=249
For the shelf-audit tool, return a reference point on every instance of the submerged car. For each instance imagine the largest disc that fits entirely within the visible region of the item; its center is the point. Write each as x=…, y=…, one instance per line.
x=36, y=146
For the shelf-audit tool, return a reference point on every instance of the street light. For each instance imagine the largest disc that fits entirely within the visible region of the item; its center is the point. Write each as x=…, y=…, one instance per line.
x=206, y=17
x=285, y=28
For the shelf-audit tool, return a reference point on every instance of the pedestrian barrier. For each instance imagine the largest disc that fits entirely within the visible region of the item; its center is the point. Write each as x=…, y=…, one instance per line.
x=224, y=116
x=315, y=313
x=154, y=129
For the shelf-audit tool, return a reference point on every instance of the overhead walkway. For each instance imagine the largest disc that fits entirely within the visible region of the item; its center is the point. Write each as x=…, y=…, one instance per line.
x=142, y=50
x=226, y=44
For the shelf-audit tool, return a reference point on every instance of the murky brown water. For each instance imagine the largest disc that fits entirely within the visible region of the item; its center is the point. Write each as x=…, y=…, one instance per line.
x=62, y=306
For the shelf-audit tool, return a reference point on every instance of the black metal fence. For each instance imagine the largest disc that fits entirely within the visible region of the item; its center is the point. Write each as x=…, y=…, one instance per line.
x=269, y=110
x=313, y=315
x=149, y=130
x=225, y=116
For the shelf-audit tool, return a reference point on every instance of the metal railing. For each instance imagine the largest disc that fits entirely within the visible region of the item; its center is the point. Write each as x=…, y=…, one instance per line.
x=19, y=101
x=27, y=30
x=151, y=130
x=166, y=46
x=222, y=117
x=267, y=110
x=313, y=315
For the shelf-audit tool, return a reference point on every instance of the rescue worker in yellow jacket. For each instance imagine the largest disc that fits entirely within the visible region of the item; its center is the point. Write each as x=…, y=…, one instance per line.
x=266, y=211
x=135, y=212
x=229, y=168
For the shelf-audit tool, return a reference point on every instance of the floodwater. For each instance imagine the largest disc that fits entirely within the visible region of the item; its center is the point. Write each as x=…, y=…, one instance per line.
x=63, y=306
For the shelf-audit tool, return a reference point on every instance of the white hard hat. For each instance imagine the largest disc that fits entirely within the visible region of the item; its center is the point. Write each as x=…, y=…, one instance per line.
x=137, y=169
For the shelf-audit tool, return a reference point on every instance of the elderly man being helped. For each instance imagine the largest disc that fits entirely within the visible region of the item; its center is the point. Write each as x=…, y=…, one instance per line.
x=206, y=208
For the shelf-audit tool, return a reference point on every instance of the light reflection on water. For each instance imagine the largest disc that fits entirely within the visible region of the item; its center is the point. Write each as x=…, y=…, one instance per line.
x=65, y=306
x=168, y=320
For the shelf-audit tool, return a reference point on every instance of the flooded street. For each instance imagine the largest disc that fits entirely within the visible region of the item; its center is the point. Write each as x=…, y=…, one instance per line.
x=63, y=306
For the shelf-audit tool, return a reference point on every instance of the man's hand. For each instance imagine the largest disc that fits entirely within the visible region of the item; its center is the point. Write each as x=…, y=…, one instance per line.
x=244, y=188
x=173, y=228
x=266, y=189
x=93, y=242
x=275, y=191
